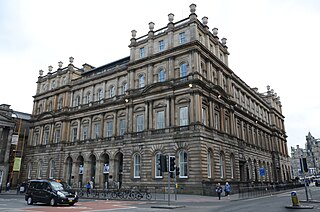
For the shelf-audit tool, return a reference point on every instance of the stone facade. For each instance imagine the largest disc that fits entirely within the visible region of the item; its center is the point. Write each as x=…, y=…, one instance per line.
x=174, y=95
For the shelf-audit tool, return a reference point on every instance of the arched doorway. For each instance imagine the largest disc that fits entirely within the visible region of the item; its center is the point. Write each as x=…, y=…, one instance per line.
x=93, y=163
x=105, y=169
x=118, y=163
x=69, y=171
x=81, y=167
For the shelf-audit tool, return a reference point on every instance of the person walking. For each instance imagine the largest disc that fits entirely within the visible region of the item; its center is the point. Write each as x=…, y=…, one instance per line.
x=8, y=186
x=88, y=186
x=219, y=190
x=227, y=190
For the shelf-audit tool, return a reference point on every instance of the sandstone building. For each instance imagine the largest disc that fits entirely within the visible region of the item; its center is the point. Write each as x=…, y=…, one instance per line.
x=174, y=95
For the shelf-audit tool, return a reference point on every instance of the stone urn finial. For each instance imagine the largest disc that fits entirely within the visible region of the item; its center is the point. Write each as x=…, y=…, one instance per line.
x=170, y=17
x=50, y=68
x=71, y=59
x=60, y=63
x=205, y=20
x=134, y=33
x=193, y=8
x=40, y=72
x=151, y=26
x=215, y=31
x=224, y=41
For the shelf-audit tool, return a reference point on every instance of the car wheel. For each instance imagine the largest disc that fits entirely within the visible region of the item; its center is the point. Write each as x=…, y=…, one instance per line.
x=53, y=202
x=29, y=201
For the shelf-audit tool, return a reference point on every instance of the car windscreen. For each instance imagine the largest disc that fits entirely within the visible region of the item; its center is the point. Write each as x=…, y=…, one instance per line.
x=56, y=186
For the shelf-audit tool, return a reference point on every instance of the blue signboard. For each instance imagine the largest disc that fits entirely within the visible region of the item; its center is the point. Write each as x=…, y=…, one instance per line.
x=262, y=172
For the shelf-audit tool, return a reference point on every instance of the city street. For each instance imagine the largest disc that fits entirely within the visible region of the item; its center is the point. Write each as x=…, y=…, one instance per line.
x=272, y=203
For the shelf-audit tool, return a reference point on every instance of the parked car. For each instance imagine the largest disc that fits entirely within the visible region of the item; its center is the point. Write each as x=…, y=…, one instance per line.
x=50, y=192
x=317, y=181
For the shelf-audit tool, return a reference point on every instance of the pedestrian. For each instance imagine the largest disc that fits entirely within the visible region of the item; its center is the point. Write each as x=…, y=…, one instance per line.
x=0, y=187
x=8, y=186
x=227, y=189
x=88, y=186
x=219, y=190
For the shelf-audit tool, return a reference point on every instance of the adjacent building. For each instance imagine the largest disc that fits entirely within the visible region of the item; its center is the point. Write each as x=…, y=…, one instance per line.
x=174, y=95
x=312, y=154
x=14, y=131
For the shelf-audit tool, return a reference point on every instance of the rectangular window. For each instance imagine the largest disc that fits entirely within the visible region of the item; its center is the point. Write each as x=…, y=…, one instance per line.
x=182, y=37
x=96, y=130
x=142, y=53
x=122, y=126
x=46, y=137
x=109, y=128
x=35, y=139
x=161, y=45
x=57, y=136
x=85, y=132
x=226, y=124
x=74, y=134
x=140, y=123
x=204, y=116
x=216, y=121
x=184, y=116
x=160, y=120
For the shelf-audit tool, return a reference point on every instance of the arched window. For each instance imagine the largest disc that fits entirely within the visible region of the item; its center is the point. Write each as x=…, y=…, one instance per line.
x=124, y=88
x=183, y=70
x=46, y=136
x=111, y=91
x=53, y=84
x=60, y=103
x=158, y=173
x=221, y=165
x=64, y=80
x=39, y=170
x=136, y=165
x=77, y=101
x=216, y=118
x=87, y=98
x=141, y=81
x=57, y=135
x=51, y=169
x=232, y=166
x=85, y=132
x=35, y=140
x=162, y=75
x=209, y=168
x=100, y=94
x=49, y=106
x=183, y=164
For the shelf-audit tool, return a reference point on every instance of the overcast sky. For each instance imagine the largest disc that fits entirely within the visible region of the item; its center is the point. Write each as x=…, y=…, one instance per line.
x=271, y=42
